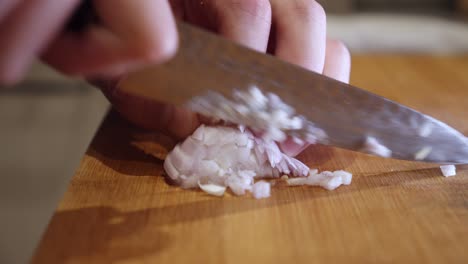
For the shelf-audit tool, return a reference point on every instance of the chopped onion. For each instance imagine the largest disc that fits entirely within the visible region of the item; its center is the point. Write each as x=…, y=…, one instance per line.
x=345, y=176
x=423, y=153
x=296, y=181
x=225, y=157
x=312, y=172
x=266, y=114
x=213, y=189
x=448, y=170
x=229, y=156
x=373, y=146
x=261, y=189
x=332, y=183
x=326, y=179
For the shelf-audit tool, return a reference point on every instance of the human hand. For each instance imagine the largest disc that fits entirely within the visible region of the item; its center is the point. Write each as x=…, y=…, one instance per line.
x=294, y=31
x=134, y=33
x=131, y=34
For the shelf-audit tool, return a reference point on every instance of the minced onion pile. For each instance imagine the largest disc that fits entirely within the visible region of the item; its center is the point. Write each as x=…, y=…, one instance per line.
x=215, y=158
x=244, y=149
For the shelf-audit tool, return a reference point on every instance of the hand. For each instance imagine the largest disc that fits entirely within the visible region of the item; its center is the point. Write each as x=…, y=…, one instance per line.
x=142, y=31
x=293, y=30
x=132, y=33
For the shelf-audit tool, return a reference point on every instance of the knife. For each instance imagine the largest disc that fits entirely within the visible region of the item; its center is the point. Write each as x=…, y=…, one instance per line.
x=206, y=62
x=347, y=114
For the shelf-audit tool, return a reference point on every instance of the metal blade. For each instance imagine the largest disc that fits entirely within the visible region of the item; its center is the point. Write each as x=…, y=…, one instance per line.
x=347, y=114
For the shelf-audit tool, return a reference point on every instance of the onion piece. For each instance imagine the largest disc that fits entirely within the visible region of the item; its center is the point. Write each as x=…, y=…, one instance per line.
x=297, y=181
x=448, y=170
x=326, y=179
x=261, y=190
x=423, y=153
x=345, y=176
x=425, y=130
x=263, y=113
x=372, y=146
x=332, y=183
x=212, y=189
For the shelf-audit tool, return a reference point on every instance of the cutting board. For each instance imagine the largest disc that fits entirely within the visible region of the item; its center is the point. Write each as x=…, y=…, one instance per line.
x=120, y=208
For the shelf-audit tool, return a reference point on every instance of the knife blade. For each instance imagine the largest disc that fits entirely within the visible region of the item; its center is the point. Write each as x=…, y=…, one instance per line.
x=346, y=113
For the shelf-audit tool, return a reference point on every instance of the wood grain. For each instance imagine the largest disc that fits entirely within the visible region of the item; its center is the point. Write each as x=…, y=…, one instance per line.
x=119, y=208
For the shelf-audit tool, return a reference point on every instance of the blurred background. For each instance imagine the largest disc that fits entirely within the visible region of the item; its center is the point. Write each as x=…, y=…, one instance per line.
x=48, y=120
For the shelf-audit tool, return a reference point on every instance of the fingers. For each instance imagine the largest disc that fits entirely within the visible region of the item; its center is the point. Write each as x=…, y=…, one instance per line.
x=246, y=22
x=178, y=8
x=337, y=66
x=174, y=121
x=299, y=38
x=148, y=34
x=300, y=32
x=26, y=30
x=135, y=33
x=337, y=61
x=6, y=6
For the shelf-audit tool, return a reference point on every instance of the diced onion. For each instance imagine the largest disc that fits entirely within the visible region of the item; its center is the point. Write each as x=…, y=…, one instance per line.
x=261, y=190
x=296, y=181
x=219, y=157
x=448, y=170
x=265, y=113
x=213, y=189
x=345, y=176
x=373, y=146
x=423, y=153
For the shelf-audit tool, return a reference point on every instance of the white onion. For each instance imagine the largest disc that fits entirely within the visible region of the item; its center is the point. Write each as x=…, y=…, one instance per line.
x=372, y=146
x=296, y=181
x=229, y=156
x=448, y=170
x=262, y=113
x=332, y=183
x=261, y=189
x=345, y=176
x=326, y=179
x=423, y=153
x=233, y=157
x=213, y=189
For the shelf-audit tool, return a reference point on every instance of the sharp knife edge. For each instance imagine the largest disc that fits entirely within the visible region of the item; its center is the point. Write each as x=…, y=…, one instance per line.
x=348, y=114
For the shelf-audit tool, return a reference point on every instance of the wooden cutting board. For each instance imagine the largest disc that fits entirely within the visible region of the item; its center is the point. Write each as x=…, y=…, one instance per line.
x=119, y=208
